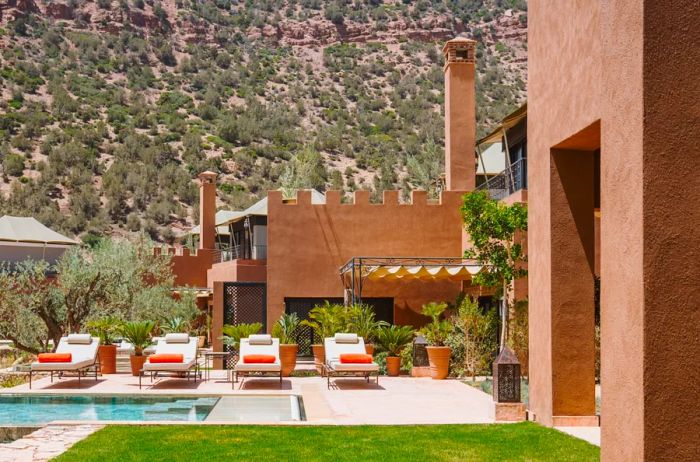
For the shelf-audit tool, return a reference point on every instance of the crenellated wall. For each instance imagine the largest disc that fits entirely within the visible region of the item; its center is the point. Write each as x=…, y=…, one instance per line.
x=189, y=268
x=309, y=243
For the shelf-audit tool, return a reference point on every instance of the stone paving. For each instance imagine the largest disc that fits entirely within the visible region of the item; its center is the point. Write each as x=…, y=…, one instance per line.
x=45, y=443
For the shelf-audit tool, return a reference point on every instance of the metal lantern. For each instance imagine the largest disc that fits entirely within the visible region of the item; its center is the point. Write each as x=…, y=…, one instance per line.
x=506, y=377
x=420, y=354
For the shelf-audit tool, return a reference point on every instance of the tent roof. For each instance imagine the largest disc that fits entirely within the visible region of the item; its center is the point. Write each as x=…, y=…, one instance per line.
x=509, y=121
x=222, y=218
x=28, y=229
x=494, y=160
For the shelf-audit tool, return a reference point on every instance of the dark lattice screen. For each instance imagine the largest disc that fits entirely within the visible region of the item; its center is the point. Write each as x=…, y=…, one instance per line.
x=244, y=303
x=383, y=308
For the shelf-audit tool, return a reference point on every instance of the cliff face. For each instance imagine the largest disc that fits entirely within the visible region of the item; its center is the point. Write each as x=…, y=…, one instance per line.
x=109, y=108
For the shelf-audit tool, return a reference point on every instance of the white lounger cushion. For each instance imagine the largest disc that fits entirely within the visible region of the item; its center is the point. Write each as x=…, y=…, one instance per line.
x=247, y=348
x=79, y=339
x=335, y=349
x=177, y=338
x=187, y=350
x=352, y=367
x=346, y=338
x=260, y=339
x=83, y=355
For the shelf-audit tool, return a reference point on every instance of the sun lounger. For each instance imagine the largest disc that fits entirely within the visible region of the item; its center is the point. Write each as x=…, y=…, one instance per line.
x=76, y=353
x=175, y=353
x=346, y=355
x=258, y=353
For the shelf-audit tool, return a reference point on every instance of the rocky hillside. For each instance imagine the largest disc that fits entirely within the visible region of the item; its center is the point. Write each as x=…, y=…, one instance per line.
x=109, y=109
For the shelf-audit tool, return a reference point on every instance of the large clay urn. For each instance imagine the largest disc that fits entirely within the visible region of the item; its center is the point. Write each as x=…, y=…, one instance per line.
x=319, y=357
x=137, y=364
x=108, y=359
x=439, y=359
x=393, y=366
x=288, y=358
x=369, y=349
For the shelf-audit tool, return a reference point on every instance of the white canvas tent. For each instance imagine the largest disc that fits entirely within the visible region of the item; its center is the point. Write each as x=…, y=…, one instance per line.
x=25, y=237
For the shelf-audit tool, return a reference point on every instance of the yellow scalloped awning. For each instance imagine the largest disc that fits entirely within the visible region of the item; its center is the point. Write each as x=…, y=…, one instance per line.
x=426, y=272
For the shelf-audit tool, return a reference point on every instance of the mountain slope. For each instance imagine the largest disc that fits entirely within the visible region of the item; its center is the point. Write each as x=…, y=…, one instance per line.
x=110, y=108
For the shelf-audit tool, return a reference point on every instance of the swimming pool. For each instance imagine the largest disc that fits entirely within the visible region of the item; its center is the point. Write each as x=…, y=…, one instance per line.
x=42, y=409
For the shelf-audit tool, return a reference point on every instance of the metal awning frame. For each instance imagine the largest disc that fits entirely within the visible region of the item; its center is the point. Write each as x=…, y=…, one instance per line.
x=356, y=270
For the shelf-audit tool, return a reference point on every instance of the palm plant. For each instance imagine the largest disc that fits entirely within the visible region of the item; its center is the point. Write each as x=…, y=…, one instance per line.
x=285, y=328
x=327, y=320
x=393, y=339
x=361, y=321
x=437, y=330
x=104, y=328
x=234, y=333
x=138, y=333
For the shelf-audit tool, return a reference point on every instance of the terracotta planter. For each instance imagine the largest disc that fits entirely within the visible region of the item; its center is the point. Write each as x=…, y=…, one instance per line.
x=201, y=340
x=137, y=363
x=393, y=366
x=108, y=359
x=369, y=348
x=439, y=359
x=319, y=357
x=288, y=358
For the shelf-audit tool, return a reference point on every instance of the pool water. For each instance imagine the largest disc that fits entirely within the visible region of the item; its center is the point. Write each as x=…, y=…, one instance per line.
x=18, y=410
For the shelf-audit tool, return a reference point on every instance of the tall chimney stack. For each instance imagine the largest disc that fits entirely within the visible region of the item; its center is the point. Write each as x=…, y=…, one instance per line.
x=207, y=210
x=460, y=114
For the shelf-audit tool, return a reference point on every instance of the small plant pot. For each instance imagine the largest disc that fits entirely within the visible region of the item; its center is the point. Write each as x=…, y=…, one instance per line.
x=319, y=357
x=393, y=366
x=439, y=359
x=288, y=358
x=369, y=349
x=201, y=340
x=137, y=364
x=108, y=359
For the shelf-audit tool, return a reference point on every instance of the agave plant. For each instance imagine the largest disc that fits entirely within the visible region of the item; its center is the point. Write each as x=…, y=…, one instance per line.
x=174, y=324
x=393, y=339
x=138, y=333
x=437, y=330
x=361, y=321
x=327, y=320
x=233, y=334
x=285, y=328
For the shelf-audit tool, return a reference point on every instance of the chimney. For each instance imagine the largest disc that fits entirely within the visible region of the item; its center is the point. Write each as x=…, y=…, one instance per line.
x=207, y=209
x=460, y=114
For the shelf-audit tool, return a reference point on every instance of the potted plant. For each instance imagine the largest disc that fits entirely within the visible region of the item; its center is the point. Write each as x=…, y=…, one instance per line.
x=138, y=333
x=326, y=320
x=105, y=328
x=436, y=333
x=285, y=329
x=361, y=321
x=393, y=339
x=234, y=333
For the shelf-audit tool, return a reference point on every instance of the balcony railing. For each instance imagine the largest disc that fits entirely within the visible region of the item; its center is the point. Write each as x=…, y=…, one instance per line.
x=510, y=180
x=237, y=252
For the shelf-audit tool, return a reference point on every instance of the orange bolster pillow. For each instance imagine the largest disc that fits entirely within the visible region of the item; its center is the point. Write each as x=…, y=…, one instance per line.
x=55, y=357
x=355, y=358
x=259, y=359
x=166, y=358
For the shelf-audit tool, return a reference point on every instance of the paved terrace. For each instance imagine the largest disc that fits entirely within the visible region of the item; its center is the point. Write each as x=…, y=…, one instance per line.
x=350, y=401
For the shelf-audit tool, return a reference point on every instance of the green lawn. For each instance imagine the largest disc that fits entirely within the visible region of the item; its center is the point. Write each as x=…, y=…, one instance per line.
x=523, y=441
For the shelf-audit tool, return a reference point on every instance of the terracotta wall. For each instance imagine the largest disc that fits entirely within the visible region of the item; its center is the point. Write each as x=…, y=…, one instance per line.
x=238, y=270
x=312, y=242
x=190, y=269
x=615, y=75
